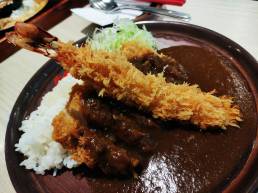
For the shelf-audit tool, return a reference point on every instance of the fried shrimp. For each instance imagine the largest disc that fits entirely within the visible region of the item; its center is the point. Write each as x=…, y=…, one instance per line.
x=113, y=75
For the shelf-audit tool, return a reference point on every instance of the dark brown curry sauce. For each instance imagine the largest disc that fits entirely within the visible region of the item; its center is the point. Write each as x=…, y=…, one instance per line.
x=187, y=159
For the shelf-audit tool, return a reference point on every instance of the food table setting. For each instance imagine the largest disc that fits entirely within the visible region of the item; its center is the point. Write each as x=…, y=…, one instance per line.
x=205, y=143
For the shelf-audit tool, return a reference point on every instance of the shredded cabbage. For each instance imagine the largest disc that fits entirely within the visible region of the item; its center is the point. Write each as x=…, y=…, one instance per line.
x=112, y=38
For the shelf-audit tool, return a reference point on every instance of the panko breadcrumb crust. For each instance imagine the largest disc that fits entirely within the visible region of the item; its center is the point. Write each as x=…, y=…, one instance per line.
x=119, y=79
x=65, y=130
x=112, y=74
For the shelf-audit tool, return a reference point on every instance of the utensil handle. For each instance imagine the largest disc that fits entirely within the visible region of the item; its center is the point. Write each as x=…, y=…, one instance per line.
x=170, y=13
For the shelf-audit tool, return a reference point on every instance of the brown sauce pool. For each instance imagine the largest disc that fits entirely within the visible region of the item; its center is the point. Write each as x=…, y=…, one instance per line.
x=187, y=159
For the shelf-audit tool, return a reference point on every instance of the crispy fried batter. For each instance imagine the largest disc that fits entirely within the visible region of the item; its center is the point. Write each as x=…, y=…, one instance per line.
x=133, y=49
x=90, y=148
x=120, y=79
x=66, y=132
x=85, y=106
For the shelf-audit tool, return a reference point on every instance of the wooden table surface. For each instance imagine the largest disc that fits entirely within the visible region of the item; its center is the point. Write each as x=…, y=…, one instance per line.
x=238, y=20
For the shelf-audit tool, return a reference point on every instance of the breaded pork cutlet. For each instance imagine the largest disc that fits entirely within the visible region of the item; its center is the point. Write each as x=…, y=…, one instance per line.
x=149, y=61
x=90, y=148
x=85, y=105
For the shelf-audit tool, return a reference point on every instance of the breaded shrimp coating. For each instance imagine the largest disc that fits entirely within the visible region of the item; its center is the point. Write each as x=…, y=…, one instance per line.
x=113, y=75
x=118, y=78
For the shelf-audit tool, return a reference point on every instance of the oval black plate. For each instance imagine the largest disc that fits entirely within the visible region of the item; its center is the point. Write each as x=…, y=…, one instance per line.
x=27, y=182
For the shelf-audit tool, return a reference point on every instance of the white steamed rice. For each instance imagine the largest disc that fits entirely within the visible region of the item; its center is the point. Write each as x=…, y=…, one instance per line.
x=41, y=151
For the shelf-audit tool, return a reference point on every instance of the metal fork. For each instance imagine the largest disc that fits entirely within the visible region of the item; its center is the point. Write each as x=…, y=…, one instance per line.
x=110, y=6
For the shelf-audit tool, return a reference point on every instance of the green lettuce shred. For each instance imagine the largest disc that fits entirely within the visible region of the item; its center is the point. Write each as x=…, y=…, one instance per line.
x=112, y=38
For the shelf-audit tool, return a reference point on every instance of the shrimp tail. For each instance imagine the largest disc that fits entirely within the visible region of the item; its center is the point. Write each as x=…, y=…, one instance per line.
x=33, y=38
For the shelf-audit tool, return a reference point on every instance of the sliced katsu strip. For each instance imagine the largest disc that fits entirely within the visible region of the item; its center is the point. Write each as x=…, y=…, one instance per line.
x=118, y=78
x=90, y=148
x=86, y=106
x=150, y=61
